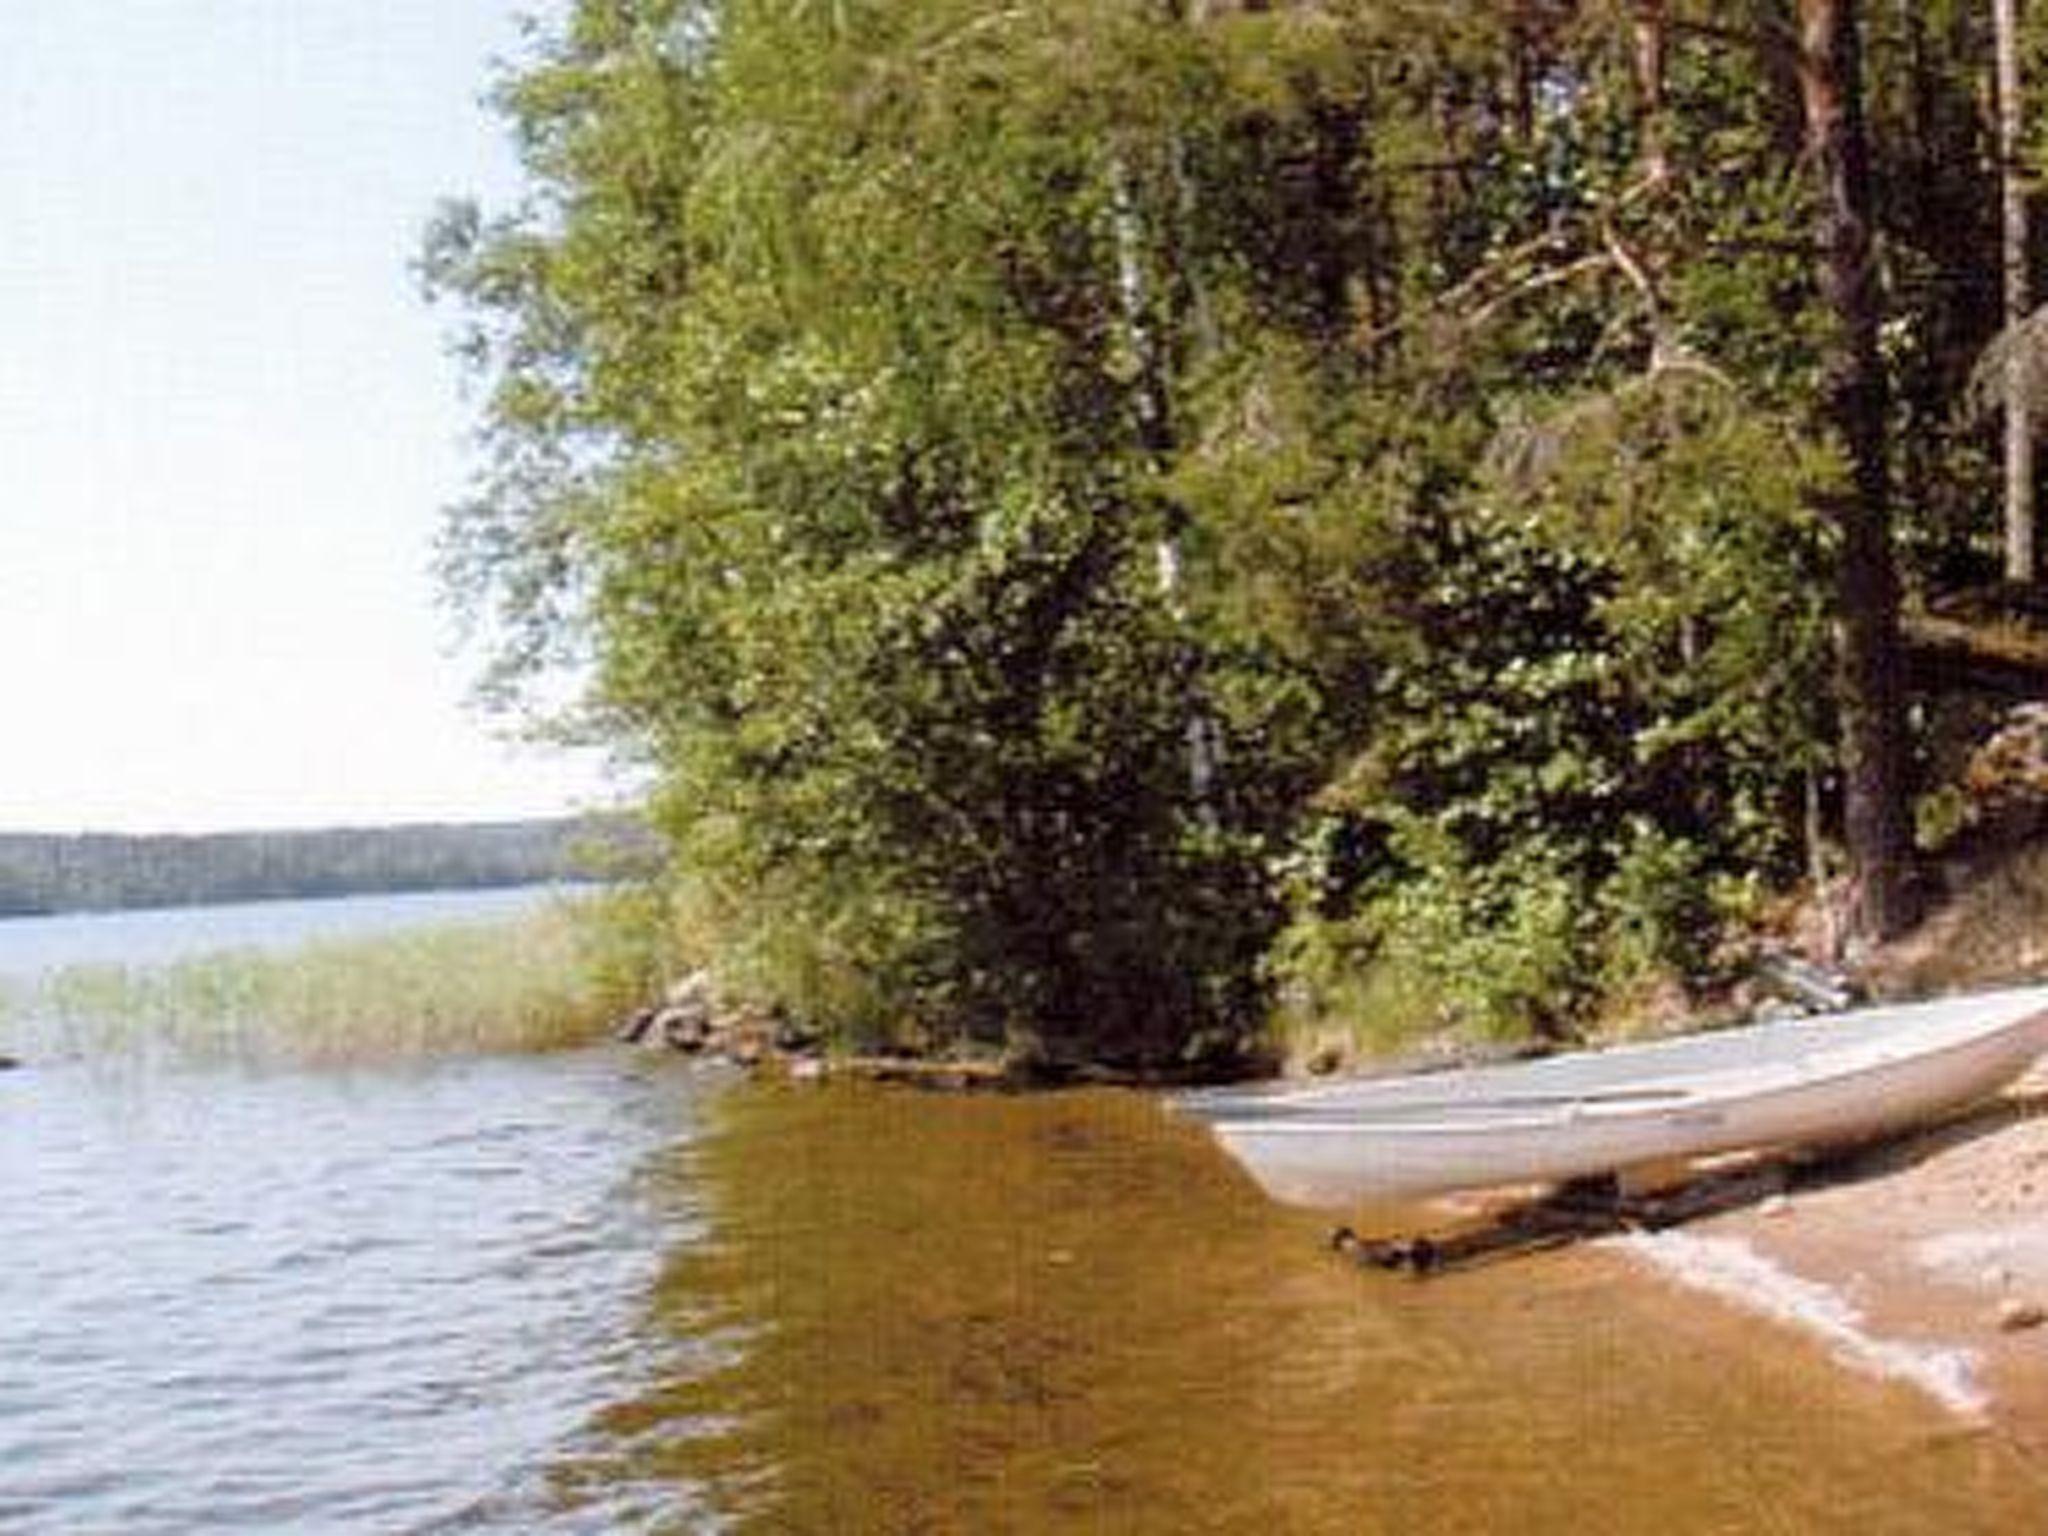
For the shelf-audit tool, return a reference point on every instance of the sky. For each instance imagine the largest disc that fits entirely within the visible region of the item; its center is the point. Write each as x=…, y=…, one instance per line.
x=228, y=420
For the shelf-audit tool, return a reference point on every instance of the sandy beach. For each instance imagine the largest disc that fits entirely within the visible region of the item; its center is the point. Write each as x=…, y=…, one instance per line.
x=1924, y=1259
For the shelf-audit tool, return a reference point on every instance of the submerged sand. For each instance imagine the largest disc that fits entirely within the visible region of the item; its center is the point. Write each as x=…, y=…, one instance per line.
x=1924, y=1259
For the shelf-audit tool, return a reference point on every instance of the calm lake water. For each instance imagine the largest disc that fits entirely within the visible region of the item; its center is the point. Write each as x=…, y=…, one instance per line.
x=32, y=946
x=603, y=1292
x=364, y=1300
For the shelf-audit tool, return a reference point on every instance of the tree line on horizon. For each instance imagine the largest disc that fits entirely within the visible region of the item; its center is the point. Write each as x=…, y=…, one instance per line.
x=49, y=873
x=1104, y=517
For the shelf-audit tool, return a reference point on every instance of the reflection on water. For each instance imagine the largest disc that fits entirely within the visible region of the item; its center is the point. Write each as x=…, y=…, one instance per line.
x=376, y=1301
x=1067, y=1313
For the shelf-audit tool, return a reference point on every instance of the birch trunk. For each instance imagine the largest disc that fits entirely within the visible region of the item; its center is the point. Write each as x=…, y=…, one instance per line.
x=2020, y=556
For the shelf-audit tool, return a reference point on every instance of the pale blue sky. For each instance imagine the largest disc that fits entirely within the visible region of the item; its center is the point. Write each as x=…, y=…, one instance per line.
x=227, y=423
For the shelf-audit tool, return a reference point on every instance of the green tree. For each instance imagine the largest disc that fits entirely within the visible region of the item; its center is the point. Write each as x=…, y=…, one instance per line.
x=834, y=362
x=1055, y=493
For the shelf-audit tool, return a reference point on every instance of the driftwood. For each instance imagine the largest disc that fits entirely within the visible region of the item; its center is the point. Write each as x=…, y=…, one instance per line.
x=1575, y=1212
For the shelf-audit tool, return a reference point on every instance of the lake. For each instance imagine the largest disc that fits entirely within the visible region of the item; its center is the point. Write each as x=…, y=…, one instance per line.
x=378, y=1299
x=602, y=1291
x=33, y=946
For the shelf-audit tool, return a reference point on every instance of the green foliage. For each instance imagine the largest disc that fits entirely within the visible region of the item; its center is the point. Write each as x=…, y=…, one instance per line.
x=1499, y=945
x=1585, y=713
x=624, y=942
x=1092, y=514
x=847, y=470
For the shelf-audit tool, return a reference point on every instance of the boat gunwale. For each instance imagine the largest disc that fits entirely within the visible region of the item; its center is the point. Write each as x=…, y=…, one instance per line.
x=1745, y=1085
x=1826, y=1030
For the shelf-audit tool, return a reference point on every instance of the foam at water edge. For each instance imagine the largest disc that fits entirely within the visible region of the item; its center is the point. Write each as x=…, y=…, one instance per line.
x=1732, y=1270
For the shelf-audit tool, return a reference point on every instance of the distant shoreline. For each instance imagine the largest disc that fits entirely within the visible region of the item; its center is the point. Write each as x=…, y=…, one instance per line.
x=51, y=874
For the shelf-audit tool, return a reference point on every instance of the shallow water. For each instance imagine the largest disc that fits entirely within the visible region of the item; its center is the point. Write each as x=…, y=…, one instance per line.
x=601, y=1293
x=376, y=1301
x=606, y=1292
x=1070, y=1313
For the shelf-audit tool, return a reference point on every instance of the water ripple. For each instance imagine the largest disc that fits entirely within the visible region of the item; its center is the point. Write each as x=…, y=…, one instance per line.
x=373, y=1301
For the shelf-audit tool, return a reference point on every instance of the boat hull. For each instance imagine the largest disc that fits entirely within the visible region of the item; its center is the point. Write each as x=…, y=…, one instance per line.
x=1353, y=1145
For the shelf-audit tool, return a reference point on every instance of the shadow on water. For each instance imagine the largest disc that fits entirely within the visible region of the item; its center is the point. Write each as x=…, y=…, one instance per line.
x=1069, y=1312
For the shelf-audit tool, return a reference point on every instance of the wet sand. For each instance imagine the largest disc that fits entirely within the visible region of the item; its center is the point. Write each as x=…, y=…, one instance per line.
x=1923, y=1259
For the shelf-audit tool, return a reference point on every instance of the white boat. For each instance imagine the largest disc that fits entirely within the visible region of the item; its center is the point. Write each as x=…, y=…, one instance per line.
x=1798, y=1083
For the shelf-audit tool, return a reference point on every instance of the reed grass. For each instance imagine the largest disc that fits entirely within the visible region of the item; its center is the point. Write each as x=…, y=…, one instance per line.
x=518, y=984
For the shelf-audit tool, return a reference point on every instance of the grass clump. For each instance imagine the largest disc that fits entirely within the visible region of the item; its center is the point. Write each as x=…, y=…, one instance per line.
x=522, y=984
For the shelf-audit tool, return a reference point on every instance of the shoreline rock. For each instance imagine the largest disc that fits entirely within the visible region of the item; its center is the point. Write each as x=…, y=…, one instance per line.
x=691, y=1019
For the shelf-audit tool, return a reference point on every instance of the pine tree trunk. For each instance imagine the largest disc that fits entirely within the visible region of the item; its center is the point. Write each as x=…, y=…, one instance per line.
x=1884, y=900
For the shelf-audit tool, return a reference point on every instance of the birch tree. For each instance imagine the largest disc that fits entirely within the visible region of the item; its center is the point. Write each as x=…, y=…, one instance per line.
x=2021, y=560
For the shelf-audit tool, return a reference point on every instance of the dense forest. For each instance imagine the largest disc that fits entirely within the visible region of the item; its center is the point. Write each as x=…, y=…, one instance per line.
x=50, y=873
x=1106, y=518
